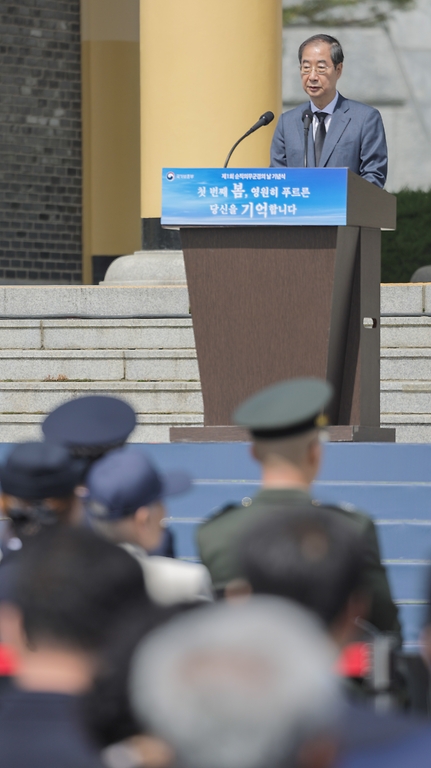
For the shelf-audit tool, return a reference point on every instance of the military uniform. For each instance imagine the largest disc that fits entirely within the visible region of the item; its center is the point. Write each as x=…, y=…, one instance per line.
x=281, y=412
x=218, y=537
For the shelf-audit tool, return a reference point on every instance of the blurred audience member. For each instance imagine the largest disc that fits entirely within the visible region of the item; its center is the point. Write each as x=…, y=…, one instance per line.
x=240, y=686
x=71, y=590
x=38, y=483
x=166, y=547
x=126, y=506
x=107, y=705
x=91, y=426
x=312, y=557
x=285, y=421
x=139, y=752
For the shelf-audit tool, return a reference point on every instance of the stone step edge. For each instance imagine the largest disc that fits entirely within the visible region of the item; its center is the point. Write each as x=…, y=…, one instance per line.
x=10, y=352
x=164, y=321
x=405, y=352
x=149, y=418
x=117, y=386
x=387, y=385
x=94, y=322
x=135, y=353
x=413, y=419
x=388, y=321
x=394, y=321
x=405, y=385
x=141, y=418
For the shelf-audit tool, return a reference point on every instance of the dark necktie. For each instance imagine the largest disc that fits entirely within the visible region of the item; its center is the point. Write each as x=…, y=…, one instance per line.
x=320, y=136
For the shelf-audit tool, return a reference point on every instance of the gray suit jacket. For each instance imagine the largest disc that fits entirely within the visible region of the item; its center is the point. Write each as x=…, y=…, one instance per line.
x=355, y=139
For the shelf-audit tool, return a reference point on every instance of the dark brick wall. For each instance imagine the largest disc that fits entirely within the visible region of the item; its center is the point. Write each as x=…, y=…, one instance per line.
x=40, y=141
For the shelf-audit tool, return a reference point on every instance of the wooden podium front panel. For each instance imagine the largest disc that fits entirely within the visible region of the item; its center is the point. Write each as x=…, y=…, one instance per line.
x=262, y=307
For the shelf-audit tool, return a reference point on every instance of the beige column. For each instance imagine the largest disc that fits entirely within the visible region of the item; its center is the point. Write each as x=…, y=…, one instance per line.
x=110, y=118
x=209, y=69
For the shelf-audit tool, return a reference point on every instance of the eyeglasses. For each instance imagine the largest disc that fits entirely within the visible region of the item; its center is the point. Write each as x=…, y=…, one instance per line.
x=321, y=69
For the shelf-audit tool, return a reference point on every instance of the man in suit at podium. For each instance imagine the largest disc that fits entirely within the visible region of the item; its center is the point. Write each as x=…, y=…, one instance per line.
x=343, y=133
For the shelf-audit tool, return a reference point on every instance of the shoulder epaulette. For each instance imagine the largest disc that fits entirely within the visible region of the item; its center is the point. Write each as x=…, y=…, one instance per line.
x=219, y=511
x=345, y=506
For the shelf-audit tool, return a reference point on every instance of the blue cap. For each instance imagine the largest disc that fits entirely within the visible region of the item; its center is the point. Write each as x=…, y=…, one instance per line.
x=40, y=471
x=124, y=480
x=90, y=422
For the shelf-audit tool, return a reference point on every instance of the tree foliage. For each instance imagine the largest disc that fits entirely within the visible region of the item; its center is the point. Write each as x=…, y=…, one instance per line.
x=409, y=247
x=342, y=12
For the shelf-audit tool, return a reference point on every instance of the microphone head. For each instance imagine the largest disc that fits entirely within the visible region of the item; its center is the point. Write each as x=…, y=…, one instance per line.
x=267, y=117
x=307, y=114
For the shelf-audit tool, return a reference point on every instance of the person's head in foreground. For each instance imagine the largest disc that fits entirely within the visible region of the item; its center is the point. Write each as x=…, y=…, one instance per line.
x=38, y=482
x=245, y=685
x=126, y=495
x=91, y=425
x=285, y=421
x=71, y=590
x=309, y=555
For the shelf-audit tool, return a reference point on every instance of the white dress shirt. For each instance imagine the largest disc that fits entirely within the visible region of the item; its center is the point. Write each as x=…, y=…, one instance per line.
x=170, y=581
x=329, y=109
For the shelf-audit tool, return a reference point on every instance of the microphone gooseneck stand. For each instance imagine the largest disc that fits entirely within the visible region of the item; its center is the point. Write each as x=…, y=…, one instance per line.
x=266, y=118
x=307, y=119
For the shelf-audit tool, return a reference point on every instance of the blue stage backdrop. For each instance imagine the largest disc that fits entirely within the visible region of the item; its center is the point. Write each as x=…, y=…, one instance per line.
x=254, y=196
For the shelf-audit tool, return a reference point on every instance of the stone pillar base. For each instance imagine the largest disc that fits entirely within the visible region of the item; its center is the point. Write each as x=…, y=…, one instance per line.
x=151, y=268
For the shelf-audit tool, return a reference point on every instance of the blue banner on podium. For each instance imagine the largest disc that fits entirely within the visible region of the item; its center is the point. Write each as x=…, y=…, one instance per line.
x=254, y=196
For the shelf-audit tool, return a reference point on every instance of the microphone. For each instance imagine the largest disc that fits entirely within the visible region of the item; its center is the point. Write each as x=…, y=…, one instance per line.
x=264, y=119
x=307, y=119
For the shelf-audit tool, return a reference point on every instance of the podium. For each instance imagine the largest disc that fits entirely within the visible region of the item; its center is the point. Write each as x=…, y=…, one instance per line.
x=285, y=284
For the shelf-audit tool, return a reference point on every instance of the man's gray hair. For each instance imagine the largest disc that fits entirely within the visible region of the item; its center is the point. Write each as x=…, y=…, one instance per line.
x=337, y=55
x=237, y=685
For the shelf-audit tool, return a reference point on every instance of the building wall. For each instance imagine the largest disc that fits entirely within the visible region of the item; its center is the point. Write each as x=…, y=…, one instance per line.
x=40, y=142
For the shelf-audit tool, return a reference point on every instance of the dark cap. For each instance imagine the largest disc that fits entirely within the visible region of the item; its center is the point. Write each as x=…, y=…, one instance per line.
x=124, y=480
x=285, y=409
x=93, y=422
x=40, y=471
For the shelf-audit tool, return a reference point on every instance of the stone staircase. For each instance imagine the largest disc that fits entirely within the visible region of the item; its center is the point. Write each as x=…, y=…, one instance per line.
x=406, y=377
x=151, y=363
x=89, y=344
